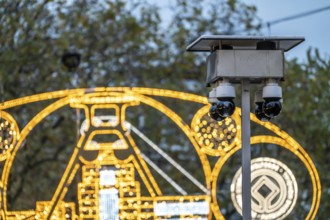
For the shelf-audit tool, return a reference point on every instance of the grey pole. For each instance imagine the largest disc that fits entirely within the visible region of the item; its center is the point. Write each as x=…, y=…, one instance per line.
x=246, y=151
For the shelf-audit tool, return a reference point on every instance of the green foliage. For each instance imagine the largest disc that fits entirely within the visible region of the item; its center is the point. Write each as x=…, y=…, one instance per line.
x=306, y=114
x=307, y=90
x=123, y=43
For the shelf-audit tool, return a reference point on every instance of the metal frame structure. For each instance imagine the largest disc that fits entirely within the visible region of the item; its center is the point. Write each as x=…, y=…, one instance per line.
x=238, y=60
x=133, y=204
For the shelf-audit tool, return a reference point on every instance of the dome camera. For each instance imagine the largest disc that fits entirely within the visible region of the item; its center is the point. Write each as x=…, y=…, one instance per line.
x=272, y=94
x=258, y=111
x=222, y=99
x=214, y=114
x=225, y=107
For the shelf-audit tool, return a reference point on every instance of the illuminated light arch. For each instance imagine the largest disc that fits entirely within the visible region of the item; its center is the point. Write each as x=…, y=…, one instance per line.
x=70, y=98
x=296, y=150
x=303, y=156
x=100, y=97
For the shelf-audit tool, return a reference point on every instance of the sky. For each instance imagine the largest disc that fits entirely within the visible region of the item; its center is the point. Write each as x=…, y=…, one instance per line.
x=315, y=28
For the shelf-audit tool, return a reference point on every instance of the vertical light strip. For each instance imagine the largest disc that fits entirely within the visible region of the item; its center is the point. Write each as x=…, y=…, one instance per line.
x=109, y=204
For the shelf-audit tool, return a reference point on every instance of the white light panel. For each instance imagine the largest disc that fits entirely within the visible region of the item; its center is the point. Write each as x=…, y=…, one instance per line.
x=107, y=178
x=109, y=204
x=182, y=208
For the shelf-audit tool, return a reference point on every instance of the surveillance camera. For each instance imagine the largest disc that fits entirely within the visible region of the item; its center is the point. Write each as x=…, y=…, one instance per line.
x=214, y=114
x=223, y=106
x=258, y=111
x=272, y=94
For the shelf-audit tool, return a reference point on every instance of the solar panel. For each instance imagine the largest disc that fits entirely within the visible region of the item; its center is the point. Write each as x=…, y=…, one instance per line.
x=207, y=42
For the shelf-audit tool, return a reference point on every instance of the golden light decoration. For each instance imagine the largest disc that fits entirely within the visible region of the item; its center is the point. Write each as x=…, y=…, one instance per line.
x=216, y=138
x=9, y=134
x=109, y=187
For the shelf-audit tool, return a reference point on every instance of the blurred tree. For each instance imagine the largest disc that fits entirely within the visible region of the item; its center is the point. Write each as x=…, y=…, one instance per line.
x=306, y=114
x=122, y=43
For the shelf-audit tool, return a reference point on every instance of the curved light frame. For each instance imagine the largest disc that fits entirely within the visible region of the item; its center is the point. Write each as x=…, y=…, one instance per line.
x=285, y=141
x=66, y=97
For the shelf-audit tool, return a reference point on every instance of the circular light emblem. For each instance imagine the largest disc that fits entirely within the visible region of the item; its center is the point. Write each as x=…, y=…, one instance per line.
x=273, y=187
x=216, y=138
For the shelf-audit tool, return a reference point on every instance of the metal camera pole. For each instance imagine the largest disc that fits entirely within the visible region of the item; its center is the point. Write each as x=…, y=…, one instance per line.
x=246, y=151
x=244, y=60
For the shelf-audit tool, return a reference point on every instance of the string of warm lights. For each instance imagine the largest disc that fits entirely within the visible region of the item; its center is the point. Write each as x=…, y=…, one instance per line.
x=108, y=181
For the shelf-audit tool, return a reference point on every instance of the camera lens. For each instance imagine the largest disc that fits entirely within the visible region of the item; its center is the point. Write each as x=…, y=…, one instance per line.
x=225, y=107
x=260, y=113
x=213, y=113
x=272, y=107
